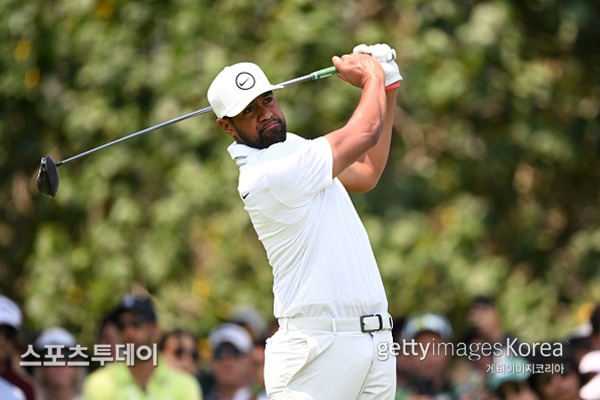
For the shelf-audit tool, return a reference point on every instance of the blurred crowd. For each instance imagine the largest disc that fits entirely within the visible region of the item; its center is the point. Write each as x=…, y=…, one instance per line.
x=133, y=358
x=495, y=364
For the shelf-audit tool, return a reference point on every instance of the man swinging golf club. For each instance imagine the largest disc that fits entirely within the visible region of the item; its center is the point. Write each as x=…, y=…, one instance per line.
x=329, y=297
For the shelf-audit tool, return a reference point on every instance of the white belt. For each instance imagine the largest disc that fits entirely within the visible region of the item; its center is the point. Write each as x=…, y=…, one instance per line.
x=365, y=323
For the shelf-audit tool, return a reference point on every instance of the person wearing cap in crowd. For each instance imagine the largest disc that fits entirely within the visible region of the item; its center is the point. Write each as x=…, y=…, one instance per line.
x=10, y=325
x=589, y=368
x=231, y=363
x=143, y=379
x=62, y=382
x=327, y=286
x=426, y=375
x=511, y=382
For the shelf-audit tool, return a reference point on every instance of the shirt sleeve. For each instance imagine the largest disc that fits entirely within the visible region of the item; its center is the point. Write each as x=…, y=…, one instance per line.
x=302, y=170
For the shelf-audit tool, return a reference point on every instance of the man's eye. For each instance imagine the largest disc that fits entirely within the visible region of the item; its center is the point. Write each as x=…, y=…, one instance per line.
x=248, y=110
x=268, y=100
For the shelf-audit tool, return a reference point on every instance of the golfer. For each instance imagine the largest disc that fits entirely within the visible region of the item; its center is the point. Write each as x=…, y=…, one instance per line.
x=329, y=297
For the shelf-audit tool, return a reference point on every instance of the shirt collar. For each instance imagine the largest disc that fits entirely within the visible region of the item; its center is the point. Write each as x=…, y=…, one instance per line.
x=126, y=377
x=240, y=152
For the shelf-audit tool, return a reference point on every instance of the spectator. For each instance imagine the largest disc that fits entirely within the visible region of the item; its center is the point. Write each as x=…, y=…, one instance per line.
x=511, y=382
x=590, y=369
x=58, y=382
x=484, y=328
x=141, y=379
x=180, y=350
x=562, y=385
x=231, y=364
x=426, y=374
x=108, y=334
x=10, y=325
x=469, y=374
x=484, y=320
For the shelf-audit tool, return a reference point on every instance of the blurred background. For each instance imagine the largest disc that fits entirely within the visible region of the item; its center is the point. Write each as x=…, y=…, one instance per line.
x=492, y=186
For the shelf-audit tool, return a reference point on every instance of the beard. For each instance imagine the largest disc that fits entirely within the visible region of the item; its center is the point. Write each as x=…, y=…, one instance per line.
x=273, y=131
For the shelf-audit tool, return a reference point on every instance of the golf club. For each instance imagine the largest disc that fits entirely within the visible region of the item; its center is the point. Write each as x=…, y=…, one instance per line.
x=47, y=177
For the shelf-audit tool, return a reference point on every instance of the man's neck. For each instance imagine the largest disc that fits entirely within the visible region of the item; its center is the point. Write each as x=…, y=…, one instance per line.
x=142, y=372
x=228, y=392
x=60, y=393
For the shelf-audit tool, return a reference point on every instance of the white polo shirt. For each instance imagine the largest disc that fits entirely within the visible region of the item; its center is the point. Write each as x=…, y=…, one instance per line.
x=323, y=264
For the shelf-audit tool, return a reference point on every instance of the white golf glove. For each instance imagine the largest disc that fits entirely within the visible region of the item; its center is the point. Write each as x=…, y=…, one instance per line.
x=386, y=56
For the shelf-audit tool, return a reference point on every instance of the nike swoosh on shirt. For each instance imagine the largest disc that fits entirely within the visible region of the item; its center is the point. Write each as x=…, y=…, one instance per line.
x=244, y=195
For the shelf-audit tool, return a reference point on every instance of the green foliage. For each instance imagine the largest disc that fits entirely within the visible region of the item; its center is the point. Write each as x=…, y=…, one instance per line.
x=491, y=186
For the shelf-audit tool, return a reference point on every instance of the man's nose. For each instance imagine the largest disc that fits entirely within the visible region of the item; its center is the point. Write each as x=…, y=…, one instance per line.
x=264, y=113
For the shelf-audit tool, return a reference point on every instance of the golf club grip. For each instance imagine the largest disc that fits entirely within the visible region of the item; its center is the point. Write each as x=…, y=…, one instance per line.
x=323, y=73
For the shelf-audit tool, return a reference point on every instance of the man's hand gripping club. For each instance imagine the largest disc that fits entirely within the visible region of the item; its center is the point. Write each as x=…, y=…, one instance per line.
x=386, y=56
x=358, y=160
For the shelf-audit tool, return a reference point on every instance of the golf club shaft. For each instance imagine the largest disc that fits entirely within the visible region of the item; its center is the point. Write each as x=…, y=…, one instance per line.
x=161, y=125
x=322, y=73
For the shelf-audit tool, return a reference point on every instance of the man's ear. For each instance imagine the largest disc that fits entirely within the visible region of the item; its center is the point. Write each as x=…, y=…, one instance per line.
x=226, y=125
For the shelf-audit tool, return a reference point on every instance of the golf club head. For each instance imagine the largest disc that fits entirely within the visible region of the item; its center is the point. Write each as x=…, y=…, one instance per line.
x=47, y=178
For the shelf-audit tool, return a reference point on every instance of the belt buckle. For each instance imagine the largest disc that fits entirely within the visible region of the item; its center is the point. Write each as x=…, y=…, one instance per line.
x=362, y=323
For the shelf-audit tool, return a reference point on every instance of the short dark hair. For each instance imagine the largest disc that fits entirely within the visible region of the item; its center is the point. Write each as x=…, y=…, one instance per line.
x=177, y=333
x=483, y=300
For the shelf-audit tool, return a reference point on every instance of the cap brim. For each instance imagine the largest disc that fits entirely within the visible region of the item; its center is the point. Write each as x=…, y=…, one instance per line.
x=249, y=98
x=241, y=348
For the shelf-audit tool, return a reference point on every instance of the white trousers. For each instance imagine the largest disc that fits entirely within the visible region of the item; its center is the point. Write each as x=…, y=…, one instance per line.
x=320, y=365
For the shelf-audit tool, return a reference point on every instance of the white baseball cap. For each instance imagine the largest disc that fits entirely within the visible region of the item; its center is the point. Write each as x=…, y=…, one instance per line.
x=237, y=86
x=10, y=314
x=55, y=336
x=426, y=322
x=234, y=334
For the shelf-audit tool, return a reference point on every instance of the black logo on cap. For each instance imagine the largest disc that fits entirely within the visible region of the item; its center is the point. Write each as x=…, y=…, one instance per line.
x=245, y=81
